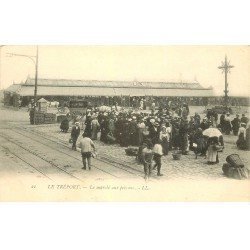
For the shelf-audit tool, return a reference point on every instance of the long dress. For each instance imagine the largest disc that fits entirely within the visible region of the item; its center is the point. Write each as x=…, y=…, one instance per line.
x=164, y=137
x=87, y=130
x=212, y=154
x=241, y=142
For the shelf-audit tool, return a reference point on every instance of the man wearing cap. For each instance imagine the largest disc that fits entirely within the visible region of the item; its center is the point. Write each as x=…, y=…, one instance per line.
x=75, y=132
x=86, y=145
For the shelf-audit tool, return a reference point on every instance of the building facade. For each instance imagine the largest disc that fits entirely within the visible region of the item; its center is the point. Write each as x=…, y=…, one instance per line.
x=101, y=91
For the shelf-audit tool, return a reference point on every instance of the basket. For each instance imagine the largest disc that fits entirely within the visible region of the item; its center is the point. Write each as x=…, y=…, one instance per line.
x=234, y=159
x=176, y=155
x=131, y=151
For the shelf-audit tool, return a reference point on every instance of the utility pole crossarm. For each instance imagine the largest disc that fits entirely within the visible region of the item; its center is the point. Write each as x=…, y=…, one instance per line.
x=225, y=67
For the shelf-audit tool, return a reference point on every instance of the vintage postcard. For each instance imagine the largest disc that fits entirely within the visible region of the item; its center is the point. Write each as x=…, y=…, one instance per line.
x=124, y=123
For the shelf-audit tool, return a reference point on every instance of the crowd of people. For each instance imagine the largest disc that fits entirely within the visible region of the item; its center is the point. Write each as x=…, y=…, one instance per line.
x=238, y=126
x=156, y=132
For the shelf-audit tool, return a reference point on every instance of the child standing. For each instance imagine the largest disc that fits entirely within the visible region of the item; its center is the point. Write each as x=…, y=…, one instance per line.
x=147, y=157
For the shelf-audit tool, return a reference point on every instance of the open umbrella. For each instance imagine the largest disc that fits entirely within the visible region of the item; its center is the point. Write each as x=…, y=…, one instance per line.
x=212, y=132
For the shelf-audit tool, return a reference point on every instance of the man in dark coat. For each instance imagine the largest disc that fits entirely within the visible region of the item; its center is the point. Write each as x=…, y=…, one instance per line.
x=227, y=124
x=75, y=132
x=236, y=124
x=154, y=132
x=118, y=129
x=184, y=135
x=125, y=133
x=88, y=128
x=32, y=114
x=204, y=124
x=244, y=119
x=222, y=122
x=133, y=132
x=104, y=126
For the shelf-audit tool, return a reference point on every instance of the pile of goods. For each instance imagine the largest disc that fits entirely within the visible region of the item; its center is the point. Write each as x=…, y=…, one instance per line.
x=39, y=118
x=235, y=168
x=44, y=118
x=49, y=118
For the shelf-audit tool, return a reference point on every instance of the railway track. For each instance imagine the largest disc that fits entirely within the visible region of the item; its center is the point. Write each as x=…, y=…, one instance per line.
x=26, y=162
x=101, y=158
x=108, y=162
x=37, y=155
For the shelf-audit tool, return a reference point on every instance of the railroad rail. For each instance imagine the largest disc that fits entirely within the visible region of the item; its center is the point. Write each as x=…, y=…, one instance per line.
x=26, y=162
x=101, y=158
x=39, y=156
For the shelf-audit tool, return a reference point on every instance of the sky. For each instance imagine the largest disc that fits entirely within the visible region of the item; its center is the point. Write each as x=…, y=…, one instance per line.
x=130, y=63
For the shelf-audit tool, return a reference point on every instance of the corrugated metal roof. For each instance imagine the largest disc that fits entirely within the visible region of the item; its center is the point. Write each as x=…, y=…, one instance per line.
x=114, y=84
x=91, y=91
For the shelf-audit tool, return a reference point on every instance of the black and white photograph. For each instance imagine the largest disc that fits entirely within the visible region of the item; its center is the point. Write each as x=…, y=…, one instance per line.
x=124, y=123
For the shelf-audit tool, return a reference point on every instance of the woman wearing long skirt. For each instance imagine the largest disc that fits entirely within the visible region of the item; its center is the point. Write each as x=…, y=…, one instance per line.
x=87, y=130
x=212, y=150
x=242, y=142
x=164, y=138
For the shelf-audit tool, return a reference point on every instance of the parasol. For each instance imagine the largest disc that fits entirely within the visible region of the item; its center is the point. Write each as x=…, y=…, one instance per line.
x=212, y=132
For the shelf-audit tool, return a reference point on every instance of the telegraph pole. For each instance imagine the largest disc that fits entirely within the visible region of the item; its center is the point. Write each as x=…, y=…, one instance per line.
x=225, y=67
x=36, y=77
x=34, y=59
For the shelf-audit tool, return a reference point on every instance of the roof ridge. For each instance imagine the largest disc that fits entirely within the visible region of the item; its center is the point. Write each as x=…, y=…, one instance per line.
x=115, y=81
